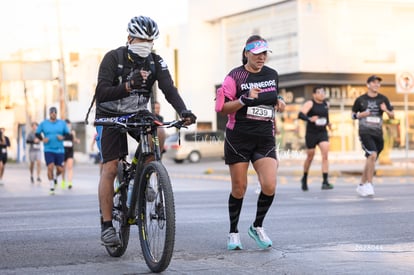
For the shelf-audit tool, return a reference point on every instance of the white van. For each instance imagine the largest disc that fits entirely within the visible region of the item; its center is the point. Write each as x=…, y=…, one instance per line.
x=194, y=146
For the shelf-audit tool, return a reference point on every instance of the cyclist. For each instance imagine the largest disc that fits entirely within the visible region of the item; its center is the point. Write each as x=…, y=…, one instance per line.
x=126, y=94
x=249, y=97
x=316, y=113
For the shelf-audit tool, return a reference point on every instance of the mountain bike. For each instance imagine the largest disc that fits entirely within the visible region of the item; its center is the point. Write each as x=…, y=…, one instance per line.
x=143, y=194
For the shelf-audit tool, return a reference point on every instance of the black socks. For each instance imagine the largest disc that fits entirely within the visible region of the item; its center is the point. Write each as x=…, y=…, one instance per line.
x=235, y=206
x=325, y=177
x=106, y=225
x=263, y=204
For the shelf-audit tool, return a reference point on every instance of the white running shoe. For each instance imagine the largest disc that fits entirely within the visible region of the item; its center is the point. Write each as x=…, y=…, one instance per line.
x=259, y=235
x=233, y=242
x=362, y=190
x=369, y=189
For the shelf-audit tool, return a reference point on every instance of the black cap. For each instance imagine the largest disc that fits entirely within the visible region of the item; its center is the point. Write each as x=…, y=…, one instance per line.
x=52, y=110
x=373, y=77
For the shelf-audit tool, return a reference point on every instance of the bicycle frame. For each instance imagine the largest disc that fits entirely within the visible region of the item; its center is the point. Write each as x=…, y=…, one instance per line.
x=143, y=151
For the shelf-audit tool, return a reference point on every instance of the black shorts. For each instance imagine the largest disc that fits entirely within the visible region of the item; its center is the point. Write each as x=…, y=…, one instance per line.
x=112, y=143
x=68, y=153
x=313, y=139
x=3, y=157
x=371, y=143
x=240, y=147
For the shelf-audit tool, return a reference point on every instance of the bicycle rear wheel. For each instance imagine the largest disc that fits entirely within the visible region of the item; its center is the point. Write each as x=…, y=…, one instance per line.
x=119, y=217
x=156, y=216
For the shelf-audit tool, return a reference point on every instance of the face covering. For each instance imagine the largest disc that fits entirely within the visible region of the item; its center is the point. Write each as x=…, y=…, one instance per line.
x=143, y=49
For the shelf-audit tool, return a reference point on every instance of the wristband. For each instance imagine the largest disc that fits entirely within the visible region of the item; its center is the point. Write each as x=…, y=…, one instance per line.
x=280, y=98
x=241, y=102
x=247, y=101
x=355, y=116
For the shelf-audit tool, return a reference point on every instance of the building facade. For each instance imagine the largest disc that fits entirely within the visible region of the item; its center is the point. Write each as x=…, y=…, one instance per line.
x=336, y=44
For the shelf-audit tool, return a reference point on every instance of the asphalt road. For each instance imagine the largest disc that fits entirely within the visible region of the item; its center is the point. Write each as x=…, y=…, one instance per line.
x=317, y=232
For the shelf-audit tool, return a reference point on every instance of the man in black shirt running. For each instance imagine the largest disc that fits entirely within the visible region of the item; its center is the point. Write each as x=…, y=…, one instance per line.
x=368, y=110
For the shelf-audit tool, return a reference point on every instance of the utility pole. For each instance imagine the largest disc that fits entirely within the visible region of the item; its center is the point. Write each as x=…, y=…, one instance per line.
x=62, y=74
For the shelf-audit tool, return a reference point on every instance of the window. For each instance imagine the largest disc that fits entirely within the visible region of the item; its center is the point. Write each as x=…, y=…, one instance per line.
x=73, y=92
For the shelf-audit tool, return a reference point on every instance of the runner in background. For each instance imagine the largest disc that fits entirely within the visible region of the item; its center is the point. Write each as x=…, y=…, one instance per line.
x=68, y=141
x=35, y=154
x=316, y=113
x=368, y=110
x=4, y=143
x=52, y=131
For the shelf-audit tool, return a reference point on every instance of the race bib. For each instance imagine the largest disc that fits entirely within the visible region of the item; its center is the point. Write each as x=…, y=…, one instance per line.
x=4, y=150
x=67, y=143
x=321, y=121
x=36, y=146
x=373, y=119
x=261, y=112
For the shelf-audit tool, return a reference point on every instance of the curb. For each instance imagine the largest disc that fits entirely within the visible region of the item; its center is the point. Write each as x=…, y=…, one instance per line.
x=335, y=173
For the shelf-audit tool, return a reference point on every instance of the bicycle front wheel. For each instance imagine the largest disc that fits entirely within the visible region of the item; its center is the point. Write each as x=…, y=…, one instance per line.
x=156, y=216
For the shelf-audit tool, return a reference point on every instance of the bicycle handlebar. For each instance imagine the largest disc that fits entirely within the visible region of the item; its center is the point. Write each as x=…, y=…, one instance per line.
x=137, y=122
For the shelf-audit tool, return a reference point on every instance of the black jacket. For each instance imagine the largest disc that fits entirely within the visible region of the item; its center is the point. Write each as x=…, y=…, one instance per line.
x=112, y=98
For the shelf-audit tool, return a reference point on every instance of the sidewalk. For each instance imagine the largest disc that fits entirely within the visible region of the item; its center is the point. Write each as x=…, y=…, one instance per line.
x=340, y=164
x=337, y=168
x=17, y=181
x=290, y=164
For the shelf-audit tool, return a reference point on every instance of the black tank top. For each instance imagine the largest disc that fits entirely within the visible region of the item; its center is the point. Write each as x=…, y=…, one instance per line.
x=320, y=110
x=68, y=141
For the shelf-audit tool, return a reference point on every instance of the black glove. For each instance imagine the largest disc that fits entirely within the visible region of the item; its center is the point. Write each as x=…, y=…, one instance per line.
x=246, y=100
x=190, y=115
x=136, y=81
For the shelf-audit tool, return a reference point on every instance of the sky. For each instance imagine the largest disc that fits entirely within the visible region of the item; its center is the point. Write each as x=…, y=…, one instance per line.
x=27, y=24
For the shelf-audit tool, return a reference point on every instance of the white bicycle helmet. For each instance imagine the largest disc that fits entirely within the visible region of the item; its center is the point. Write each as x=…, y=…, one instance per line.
x=143, y=27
